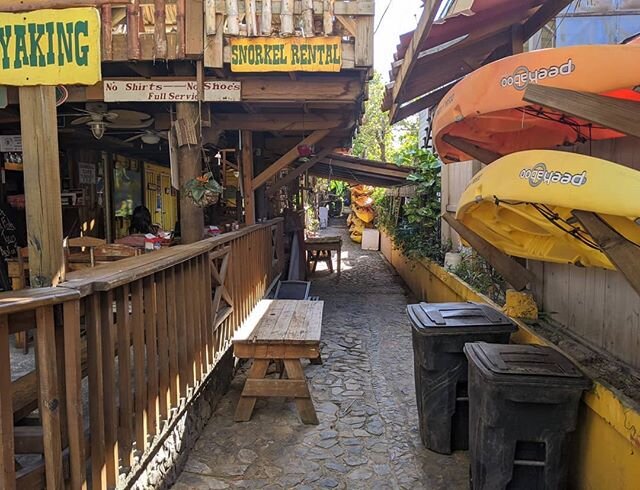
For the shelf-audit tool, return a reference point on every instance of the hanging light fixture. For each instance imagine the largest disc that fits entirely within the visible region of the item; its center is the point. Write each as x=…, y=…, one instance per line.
x=97, y=128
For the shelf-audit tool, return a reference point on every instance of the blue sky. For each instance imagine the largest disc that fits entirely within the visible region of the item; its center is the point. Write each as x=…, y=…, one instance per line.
x=401, y=17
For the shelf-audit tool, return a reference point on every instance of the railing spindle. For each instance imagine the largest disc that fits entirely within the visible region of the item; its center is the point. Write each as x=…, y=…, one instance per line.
x=160, y=30
x=181, y=319
x=73, y=386
x=108, y=339
x=7, y=465
x=49, y=396
x=172, y=324
x=151, y=317
x=138, y=320
x=163, y=346
x=125, y=426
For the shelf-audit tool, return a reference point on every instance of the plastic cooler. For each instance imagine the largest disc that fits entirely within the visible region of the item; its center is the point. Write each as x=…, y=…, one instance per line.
x=523, y=406
x=440, y=331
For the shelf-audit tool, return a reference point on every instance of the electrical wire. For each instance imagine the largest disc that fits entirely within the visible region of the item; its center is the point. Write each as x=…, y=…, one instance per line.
x=382, y=17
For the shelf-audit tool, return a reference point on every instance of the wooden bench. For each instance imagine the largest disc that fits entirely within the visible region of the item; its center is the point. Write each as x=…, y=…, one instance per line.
x=279, y=330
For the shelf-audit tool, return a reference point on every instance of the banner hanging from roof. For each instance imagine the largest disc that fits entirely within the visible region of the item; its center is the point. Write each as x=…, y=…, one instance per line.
x=50, y=47
x=264, y=54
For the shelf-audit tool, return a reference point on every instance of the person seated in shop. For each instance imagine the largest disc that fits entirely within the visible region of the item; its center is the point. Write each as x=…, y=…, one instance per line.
x=141, y=224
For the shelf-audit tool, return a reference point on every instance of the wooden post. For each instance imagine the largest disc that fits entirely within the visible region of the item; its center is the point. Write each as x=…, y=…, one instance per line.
x=247, y=177
x=514, y=273
x=160, y=29
x=266, y=18
x=481, y=154
x=191, y=216
x=327, y=17
x=39, y=131
x=251, y=18
x=286, y=17
x=233, y=24
x=307, y=17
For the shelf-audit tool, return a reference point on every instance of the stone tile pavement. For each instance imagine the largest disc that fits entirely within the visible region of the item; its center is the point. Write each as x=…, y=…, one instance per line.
x=364, y=395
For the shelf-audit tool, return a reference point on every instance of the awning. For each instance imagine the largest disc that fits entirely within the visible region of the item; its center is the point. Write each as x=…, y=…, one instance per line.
x=356, y=170
x=455, y=37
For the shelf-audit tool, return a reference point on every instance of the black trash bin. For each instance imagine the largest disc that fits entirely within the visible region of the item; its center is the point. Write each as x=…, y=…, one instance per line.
x=523, y=406
x=440, y=331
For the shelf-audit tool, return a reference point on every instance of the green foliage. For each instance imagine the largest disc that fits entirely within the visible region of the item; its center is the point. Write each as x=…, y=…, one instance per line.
x=477, y=272
x=406, y=141
x=374, y=138
x=339, y=188
x=202, y=190
x=414, y=225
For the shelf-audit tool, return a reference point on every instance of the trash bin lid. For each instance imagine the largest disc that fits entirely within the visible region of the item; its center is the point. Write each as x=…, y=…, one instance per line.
x=433, y=318
x=525, y=364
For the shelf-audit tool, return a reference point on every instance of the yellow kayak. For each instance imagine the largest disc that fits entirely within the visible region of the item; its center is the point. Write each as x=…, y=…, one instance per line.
x=522, y=204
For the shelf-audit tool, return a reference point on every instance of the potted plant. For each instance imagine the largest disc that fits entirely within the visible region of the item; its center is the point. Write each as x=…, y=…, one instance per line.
x=203, y=191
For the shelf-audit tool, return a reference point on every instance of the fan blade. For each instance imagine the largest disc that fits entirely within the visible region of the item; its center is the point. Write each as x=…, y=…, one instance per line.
x=127, y=115
x=111, y=116
x=133, y=138
x=131, y=124
x=81, y=120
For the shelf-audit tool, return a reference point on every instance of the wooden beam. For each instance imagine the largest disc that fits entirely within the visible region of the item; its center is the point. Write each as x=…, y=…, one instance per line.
x=544, y=14
x=471, y=149
x=348, y=23
x=411, y=55
x=247, y=177
x=277, y=122
x=517, y=42
x=42, y=185
x=618, y=114
x=27, y=5
x=362, y=167
x=288, y=158
x=425, y=102
x=512, y=272
x=624, y=254
x=297, y=172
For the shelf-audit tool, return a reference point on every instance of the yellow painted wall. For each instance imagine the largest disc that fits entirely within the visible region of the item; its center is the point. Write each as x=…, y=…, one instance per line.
x=607, y=452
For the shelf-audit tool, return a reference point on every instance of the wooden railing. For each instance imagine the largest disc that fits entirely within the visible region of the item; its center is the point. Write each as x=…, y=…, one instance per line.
x=146, y=331
x=179, y=29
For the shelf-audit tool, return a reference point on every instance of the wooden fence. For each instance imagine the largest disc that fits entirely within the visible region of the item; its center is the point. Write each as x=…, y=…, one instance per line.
x=146, y=331
x=196, y=29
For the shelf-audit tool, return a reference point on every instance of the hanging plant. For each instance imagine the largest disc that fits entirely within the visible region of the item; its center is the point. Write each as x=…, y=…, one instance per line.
x=203, y=191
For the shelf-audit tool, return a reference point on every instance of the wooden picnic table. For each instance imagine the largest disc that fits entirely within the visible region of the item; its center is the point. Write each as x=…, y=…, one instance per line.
x=319, y=250
x=279, y=330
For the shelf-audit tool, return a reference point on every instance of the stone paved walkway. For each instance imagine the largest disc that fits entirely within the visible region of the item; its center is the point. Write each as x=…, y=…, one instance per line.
x=364, y=395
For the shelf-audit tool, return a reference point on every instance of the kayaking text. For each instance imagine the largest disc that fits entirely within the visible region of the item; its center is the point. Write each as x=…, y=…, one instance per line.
x=539, y=174
x=50, y=47
x=263, y=54
x=522, y=76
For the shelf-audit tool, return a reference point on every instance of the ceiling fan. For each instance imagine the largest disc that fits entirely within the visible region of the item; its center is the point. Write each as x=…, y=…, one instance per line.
x=149, y=136
x=99, y=118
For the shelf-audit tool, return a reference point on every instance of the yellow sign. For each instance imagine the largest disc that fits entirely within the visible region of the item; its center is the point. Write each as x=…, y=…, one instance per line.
x=260, y=54
x=50, y=47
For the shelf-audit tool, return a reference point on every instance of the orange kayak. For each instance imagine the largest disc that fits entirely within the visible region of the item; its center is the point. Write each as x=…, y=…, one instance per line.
x=487, y=107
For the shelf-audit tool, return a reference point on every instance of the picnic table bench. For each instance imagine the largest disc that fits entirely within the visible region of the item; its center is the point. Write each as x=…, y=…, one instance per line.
x=279, y=330
x=319, y=249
